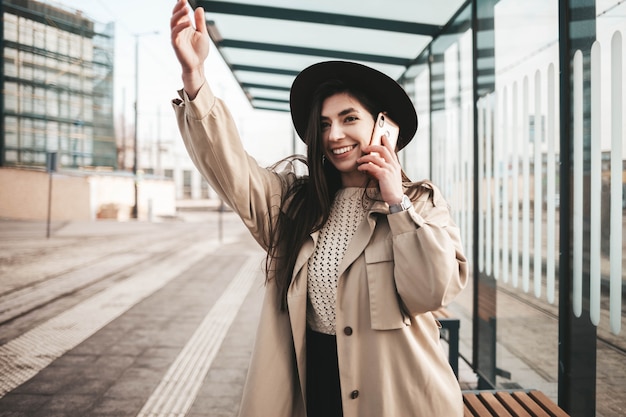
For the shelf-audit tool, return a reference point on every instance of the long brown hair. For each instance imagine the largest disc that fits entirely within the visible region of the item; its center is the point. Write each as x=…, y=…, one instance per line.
x=306, y=202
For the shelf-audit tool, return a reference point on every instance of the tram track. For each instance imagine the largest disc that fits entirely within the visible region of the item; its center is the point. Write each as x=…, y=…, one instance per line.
x=130, y=254
x=63, y=256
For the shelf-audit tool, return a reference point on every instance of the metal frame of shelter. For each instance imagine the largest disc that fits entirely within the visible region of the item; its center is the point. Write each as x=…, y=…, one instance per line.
x=267, y=45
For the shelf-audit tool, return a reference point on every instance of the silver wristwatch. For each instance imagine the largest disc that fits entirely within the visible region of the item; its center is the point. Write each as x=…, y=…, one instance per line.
x=404, y=205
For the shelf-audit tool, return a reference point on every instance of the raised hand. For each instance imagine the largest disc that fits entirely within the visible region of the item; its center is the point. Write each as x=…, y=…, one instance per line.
x=191, y=45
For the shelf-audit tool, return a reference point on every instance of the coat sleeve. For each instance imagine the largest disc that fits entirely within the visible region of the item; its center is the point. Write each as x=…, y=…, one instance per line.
x=214, y=145
x=430, y=267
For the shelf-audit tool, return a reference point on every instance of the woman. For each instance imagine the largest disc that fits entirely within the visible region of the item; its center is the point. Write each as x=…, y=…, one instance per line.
x=357, y=256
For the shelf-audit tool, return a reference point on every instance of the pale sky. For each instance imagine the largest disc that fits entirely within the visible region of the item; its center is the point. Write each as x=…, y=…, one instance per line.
x=267, y=135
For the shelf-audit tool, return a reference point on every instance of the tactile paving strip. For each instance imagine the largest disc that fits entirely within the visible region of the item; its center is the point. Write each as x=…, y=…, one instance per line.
x=178, y=389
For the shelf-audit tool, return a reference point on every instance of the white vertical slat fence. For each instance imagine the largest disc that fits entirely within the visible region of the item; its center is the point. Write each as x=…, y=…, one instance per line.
x=525, y=186
x=616, y=210
x=552, y=135
x=515, y=129
x=577, y=163
x=595, y=189
x=538, y=192
x=504, y=158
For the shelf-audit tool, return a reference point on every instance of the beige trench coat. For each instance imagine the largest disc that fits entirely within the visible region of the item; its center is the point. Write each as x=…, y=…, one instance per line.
x=390, y=365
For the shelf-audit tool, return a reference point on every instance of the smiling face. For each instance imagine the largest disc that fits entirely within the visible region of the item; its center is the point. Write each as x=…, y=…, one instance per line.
x=346, y=128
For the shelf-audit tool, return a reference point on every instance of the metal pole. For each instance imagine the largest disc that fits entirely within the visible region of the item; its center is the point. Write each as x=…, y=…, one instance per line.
x=49, y=204
x=220, y=221
x=564, y=209
x=159, y=171
x=2, y=132
x=476, y=347
x=124, y=122
x=51, y=166
x=430, y=111
x=135, y=211
x=577, y=334
x=135, y=147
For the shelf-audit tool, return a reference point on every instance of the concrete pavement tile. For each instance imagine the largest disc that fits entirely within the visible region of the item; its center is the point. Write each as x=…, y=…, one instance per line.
x=48, y=382
x=233, y=360
x=158, y=352
x=106, y=368
x=117, y=407
x=89, y=385
x=125, y=389
x=132, y=348
x=7, y=413
x=74, y=360
x=96, y=345
x=67, y=404
x=222, y=382
x=138, y=383
x=23, y=403
x=116, y=363
x=222, y=406
x=159, y=362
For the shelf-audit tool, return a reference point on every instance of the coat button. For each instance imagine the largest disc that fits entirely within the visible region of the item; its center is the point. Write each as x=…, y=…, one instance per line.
x=347, y=330
x=354, y=394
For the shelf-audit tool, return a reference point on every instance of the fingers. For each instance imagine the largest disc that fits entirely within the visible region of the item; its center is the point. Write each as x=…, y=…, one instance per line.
x=179, y=11
x=389, y=145
x=179, y=4
x=181, y=16
x=200, y=20
x=381, y=153
x=388, y=174
x=179, y=19
x=380, y=161
x=384, y=149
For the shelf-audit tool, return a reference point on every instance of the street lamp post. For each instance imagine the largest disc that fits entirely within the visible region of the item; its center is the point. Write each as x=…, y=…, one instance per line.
x=135, y=212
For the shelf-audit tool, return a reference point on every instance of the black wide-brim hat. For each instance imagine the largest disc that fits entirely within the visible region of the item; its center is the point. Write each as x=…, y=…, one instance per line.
x=380, y=87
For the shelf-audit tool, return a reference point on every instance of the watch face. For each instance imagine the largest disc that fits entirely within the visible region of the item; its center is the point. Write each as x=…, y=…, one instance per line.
x=406, y=202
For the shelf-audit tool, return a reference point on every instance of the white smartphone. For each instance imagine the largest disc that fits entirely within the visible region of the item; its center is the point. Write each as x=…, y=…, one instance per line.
x=384, y=126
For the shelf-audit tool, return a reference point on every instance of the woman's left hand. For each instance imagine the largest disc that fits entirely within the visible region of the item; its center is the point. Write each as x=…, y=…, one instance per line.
x=381, y=162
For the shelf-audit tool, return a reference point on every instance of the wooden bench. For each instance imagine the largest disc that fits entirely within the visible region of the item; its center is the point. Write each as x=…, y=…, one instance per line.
x=451, y=324
x=514, y=403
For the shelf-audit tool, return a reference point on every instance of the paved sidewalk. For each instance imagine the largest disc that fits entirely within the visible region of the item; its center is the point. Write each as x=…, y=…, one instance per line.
x=104, y=349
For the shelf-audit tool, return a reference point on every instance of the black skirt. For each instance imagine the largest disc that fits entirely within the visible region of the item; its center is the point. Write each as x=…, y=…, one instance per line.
x=323, y=391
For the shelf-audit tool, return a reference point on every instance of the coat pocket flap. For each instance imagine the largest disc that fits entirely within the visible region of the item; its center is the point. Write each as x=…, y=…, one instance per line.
x=385, y=313
x=379, y=253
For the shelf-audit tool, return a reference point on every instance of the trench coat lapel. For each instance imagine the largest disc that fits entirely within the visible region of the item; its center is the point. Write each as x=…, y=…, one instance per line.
x=297, y=303
x=361, y=237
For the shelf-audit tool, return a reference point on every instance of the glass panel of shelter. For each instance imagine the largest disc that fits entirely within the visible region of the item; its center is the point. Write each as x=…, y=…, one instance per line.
x=515, y=139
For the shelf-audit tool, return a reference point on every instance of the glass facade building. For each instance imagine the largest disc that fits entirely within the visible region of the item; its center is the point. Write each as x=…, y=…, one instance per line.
x=57, y=83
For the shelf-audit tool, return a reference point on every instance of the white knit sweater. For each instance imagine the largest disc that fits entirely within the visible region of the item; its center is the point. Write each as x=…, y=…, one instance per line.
x=347, y=212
